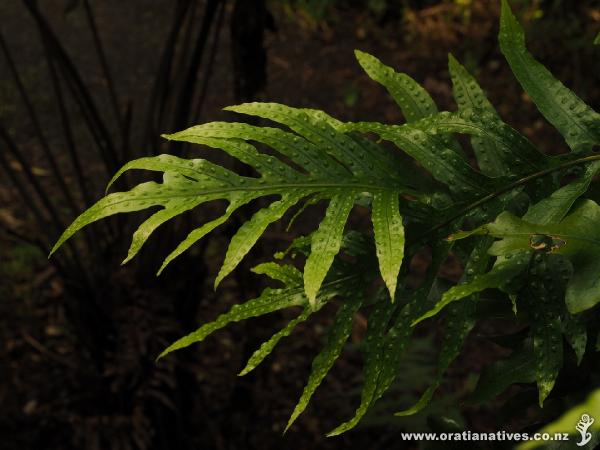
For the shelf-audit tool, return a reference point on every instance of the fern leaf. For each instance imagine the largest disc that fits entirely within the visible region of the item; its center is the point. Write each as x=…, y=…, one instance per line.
x=548, y=354
x=544, y=299
x=374, y=350
x=347, y=278
x=287, y=274
x=324, y=163
x=338, y=335
x=197, y=234
x=267, y=347
x=389, y=237
x=514, y=149
x=576, y=236
x=575, y=331
x=552, y=209
x=326, y=242
x=269, y=301
x=469, y=96
x=414, y=101
x=576, y=121
x=384, y=347
x=519, y=367
x=300, y=151
x=250, y=232
x=443, y=163
x=319, y=132
x=502, y=272
x=460, y=320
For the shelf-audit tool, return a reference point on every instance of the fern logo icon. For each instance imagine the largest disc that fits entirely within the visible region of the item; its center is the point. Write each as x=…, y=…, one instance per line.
x=582, y=426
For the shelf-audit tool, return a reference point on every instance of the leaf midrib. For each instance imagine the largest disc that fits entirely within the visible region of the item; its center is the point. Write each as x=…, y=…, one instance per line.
x=279, y=189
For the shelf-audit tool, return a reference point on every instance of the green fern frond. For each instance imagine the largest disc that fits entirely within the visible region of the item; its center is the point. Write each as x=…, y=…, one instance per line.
x=512, y=207
x=576, y=121
x=469, y=96
x=338, y=335
x=334, y=166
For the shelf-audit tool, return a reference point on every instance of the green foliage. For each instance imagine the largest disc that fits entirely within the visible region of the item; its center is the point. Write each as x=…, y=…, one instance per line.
x=519, y=222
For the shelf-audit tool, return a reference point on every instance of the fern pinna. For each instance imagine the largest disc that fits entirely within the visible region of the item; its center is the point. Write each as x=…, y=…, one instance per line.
x=531, y=237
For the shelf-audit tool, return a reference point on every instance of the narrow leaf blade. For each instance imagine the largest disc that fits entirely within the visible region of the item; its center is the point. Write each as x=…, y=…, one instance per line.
x=576, y=121
x=326, y=242
x=389, y=237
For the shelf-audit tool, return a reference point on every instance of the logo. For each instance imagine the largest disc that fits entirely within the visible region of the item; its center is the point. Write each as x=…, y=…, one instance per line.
x=582, y=426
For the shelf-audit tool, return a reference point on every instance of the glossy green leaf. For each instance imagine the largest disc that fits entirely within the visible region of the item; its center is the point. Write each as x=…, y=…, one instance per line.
x=502, y=272
x=460, y=320
x=576, y=121
x=414, y=101
x=338, y=335
x=577, y=237
x=469, y=96
x=389, y=237
x=326, y=243
x=267, y=347
x=269, y=301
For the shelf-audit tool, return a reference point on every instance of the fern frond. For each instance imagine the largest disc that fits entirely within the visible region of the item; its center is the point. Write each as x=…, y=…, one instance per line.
x=334, y=166
x=519, y=367
x=414, y=101
x=344, y=278
x=338, y=335
x=576, y=121
x=576, y=237
x=469, y=96
x=544, y=239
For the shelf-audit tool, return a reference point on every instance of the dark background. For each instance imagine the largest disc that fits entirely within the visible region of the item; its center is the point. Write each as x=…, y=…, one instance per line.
x=87, y=85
